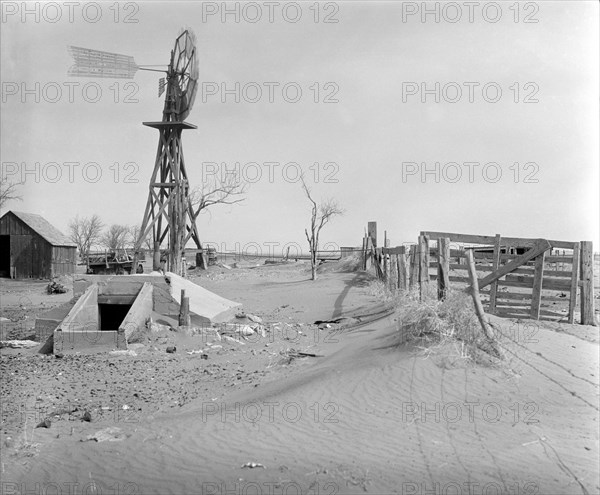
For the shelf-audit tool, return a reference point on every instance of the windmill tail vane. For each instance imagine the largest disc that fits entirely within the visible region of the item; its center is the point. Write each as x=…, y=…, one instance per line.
x=96, y=63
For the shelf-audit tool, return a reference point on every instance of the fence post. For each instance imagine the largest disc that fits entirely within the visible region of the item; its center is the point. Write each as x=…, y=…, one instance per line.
x=495, y=266
x=587, y=281
x=414, y=266
x=386, y=266
x=423, y=266
x=574, y=282
x=402, y=269
x=443, y=268
x=536, y=293
x=369, y=254
x=372, y=232
x=474, y=291
x=184, y=310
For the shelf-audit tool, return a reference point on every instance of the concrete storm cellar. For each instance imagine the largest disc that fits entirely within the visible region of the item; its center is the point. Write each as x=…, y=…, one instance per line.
x=105, y=316
x=107, y=309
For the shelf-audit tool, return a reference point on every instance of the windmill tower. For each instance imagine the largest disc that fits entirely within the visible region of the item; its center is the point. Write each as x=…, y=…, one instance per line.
x=169, y=213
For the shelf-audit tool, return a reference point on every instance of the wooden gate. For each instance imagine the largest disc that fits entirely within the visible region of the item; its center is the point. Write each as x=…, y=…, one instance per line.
x=521, y=277
x=518, y=277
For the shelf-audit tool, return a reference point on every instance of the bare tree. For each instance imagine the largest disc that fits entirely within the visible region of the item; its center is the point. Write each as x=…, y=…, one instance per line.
x=225, y=190
x=85, y=232
x=321, y=214
x=8, y=191
x=115, y=237
x=132, y=238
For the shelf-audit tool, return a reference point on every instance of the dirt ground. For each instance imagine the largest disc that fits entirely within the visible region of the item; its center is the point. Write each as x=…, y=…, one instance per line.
x=323, y=408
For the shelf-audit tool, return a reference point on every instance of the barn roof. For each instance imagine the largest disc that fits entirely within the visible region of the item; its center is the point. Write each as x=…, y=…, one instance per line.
x=44, y=228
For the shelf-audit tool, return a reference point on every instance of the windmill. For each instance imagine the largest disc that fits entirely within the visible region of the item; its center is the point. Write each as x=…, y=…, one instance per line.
x=169, y=214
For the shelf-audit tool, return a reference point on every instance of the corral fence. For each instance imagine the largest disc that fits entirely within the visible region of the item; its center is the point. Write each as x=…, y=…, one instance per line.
x=518, y=277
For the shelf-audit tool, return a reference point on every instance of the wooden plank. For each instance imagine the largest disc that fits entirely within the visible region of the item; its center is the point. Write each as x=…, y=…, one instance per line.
x=503, y=296
x=560, y=259
x=505, y=257
x=524, y=312
x=443, y=267
x=574, y=283
x=453, y=278
x=402, y=272
x=372, y=232
x=516, y=304
x=509, y=295
x=414, y=266
x=393, y=276
x=423, y=266
x=541, y=246
x=386, y=267
x=495, y=266
x=536, y=295
x=184, y=310
x=549, y=284
x=454, y=237
x=587, y=279
x=523, y=271
x=474, y=290
x=489, y=240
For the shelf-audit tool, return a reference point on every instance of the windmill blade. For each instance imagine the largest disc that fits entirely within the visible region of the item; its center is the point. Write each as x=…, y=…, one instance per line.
x=184, y=64
x=162, y=83
x=96, y=63
x=193, y=84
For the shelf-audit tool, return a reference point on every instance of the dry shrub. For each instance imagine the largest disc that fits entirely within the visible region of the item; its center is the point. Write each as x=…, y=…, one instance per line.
x=448, y=329
x=379, y=289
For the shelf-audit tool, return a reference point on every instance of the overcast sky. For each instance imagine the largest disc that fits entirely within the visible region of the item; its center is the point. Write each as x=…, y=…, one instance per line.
x=517, y=106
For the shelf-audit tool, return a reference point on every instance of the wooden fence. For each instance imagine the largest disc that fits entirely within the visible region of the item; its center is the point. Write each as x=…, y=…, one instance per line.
x=520, y=277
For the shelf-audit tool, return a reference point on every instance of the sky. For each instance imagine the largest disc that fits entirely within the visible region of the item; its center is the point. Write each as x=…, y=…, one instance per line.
x=420, y=116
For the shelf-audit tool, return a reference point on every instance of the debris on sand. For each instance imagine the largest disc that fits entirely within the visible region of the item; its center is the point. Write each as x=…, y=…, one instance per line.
x=46, y=423
x=123, y=352
x=55, y=287
x=157, y=327
x=18, y=344
x=288, y=355
x=171, y=349
x=254, y=318
x=231, y=339
x=110, y=434
x=253, y=465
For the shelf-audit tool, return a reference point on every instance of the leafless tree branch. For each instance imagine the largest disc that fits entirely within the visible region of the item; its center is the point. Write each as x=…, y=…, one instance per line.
x=321, y=214
x=226, y=191
x=8, y=191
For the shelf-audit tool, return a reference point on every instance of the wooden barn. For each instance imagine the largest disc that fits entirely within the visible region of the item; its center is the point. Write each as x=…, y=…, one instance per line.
x=30, y=247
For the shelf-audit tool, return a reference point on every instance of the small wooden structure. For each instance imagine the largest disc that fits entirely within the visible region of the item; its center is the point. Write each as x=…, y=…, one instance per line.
x=30, y=247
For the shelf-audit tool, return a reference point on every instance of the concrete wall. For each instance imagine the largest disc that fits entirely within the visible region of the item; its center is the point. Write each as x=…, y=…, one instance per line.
x=47, y=322
x=88, y=342
x=140, y=311
x=84, y=314
x=79, y=330
x=130, y=284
